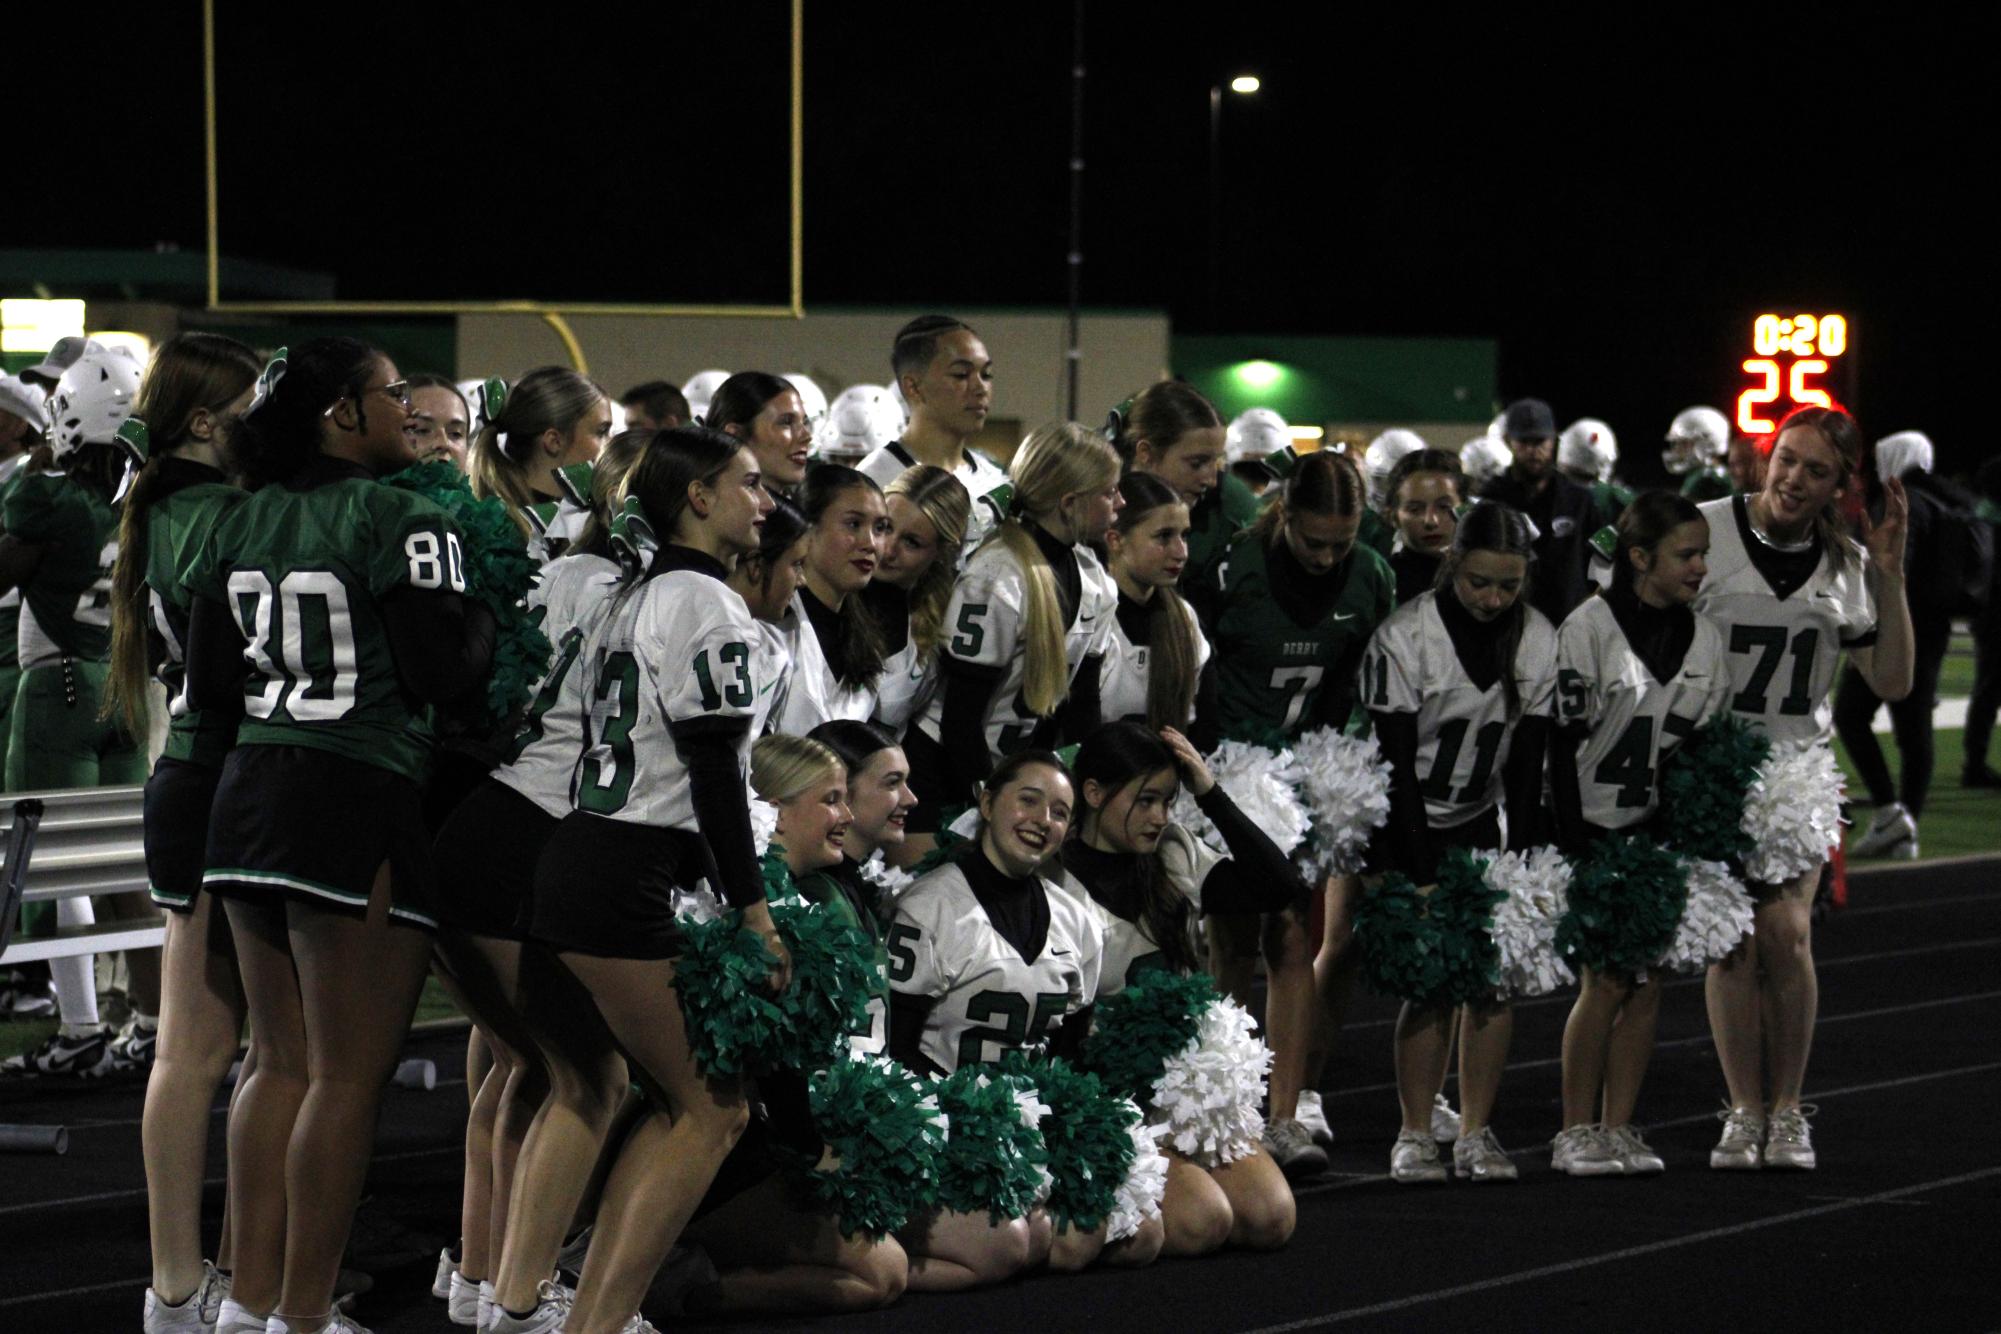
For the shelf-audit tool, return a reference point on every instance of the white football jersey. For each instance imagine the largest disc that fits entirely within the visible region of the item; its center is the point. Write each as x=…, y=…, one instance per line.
x=988, y=999
x=1463, y=731
x=770, y=661
x=681, y=647
x=979, y=473
x=572, y=594
x=811, y=694
x=1782, y=651
x=908, y=681
x=1122, y=680
x=1185, y=862
x=555, y=527
x=985, y=618
x=1634, y=721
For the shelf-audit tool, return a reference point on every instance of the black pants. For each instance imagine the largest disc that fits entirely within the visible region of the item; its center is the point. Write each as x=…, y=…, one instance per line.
x=1986, y=699
x=1855, y=706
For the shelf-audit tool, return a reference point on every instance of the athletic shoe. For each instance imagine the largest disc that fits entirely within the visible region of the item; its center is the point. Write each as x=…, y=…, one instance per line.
x=1414, y=1159
x=186, y=1318
x=462, y=1305
x=1314, y=1117
x=1444, y=1121
x=1635, y=1154
x=22, y=997
x=552, y=1307
x=231, y=1318
x=1586, y=1151
x=1480, y=1157
x=339, y=1322
x=571, y=1258
x=132, y=1050
x=215, y=1286
x=1741, y=1148
x=1789, y=1143
x=1888, y=833
x=639, y=1324
x=349, y=1286
x=485, y=1303
x=1979, y=775
x=1293, y=1149
x=85, y=1056
x=448, y=1268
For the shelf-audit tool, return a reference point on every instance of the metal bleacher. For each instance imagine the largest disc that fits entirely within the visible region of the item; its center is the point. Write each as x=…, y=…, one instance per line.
x=89, y=842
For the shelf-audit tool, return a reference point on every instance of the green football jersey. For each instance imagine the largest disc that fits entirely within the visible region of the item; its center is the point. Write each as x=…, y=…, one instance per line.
x=1377, y=534
x=304, y=573
x=1609, y=499
x=1222, y=513
x=177, y=528
x=10, y=601
x=1707, y=484
x=66, y=602
x=1270, y=669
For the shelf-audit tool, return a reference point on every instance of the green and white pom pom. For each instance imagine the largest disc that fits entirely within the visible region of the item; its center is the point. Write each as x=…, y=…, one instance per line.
x=736, y=1026
x=1208, y=1095
x=1344, y=783
x=1706, y=782
x=1135, y=1031
x=1793, y=813
x=1536, y=886
x=1401, y=953
x=1462, y=905
x=1139, y=1195
x=1262, y=781
x=994, y=1160
x=1716, y=919
x=1626, y=901
x=1087, y=1134
x=883, y=1126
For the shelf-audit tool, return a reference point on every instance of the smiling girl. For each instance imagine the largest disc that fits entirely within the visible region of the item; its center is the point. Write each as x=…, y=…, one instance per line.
x=765, y=412
x=550, y=419
x=928, y=510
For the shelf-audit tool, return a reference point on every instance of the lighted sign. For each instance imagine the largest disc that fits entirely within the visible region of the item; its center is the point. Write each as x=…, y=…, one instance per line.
x=30, y=325
x=1259, y=373
x=1792, y=357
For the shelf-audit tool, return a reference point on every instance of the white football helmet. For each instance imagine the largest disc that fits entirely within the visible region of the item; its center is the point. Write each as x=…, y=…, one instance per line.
x=1254, y=435
x=1587, y=448
x=1698, y=437
x=1484, y=458
x=810, y=398
x=701, y=387
x=1380, y=459
x=93, y=398
x=1902, y=451
x=863, y=418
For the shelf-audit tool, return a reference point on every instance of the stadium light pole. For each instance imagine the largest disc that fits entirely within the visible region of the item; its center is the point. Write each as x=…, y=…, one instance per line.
x=1243, y=85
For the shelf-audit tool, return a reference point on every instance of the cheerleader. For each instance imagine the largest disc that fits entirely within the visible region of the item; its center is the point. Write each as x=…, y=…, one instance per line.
x=1300, y=598
x=440, y=420
x=988, y=956
x=1636, y=672
x=196, y=385
x=880, y=801
x=837, y=651
x=928, y=511
x=1026, y=623
x=947, y=378
x=1148, y=878
x=548, y=420
x=773, y=1256
x=1458, y=683
x=1791, y=590
x=765, y=413
x=343, y=599
x=1172, y=432
x=660, y=813
x=1422, y=498
x=1155, y=653
x=768, y=580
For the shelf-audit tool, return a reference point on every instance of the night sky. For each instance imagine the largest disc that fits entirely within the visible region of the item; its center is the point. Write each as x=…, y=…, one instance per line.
x=1611, y=199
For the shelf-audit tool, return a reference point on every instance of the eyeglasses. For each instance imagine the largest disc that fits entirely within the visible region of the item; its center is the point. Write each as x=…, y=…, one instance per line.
x=398, y=390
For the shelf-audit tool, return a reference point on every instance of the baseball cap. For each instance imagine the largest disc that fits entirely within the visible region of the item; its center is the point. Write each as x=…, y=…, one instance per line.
x=25, y=401
x=1528, y=419
x=59, y=359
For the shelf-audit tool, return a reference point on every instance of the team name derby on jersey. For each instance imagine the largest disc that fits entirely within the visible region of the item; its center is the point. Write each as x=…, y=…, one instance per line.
x=1185, y=862
x=1634, y=720
x=988, y=999
x=304, y=573
x=570, y=600
x=678, y=649
x=985, y=616
x=1122, y=679
x=1412, y=667
x=1782, y=651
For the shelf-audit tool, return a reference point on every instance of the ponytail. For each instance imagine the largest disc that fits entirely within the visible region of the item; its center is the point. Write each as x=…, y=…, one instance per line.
x=1170, y=631
x=1323, y=482
x=498, y=463
x=1492, y=526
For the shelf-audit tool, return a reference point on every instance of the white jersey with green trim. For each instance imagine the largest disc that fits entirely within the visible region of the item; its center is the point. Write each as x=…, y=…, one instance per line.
x=1463, y=731
x=770, y=659
x=986, y=999
x=1185, y=862
x=909, y=679
x=1782, y=651
x=570, y=597
x=812, y=694
x=679, y=649
x=975, y=470
x=1634, y=721
x=985, y=620
x=1122, y=681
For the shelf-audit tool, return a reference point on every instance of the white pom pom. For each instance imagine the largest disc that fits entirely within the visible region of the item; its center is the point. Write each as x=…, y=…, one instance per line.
x=763, y=824
x=1139, y=1195
x=1793, y=811
x=1537, y=884
x=891, y=881
x=1717, y=917
x=1260, y=781
x=1345, y=786
x=1209, y=1092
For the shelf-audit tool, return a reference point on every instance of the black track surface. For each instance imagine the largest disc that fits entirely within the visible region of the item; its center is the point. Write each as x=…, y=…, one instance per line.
x=1888, y=1233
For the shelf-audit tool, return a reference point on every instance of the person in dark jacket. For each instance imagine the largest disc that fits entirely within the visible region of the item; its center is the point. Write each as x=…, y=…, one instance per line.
x=1986, y=699
x=1563, y=512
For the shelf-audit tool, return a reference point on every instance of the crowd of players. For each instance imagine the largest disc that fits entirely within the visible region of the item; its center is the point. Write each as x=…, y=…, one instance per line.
x=888, y=637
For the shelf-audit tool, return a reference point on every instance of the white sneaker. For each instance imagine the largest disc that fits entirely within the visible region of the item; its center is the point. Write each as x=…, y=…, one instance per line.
x=1414, y=1159
x=639, y=1324
x=1482, y=1158
x=214, y=1292
x=485, y=1303
x=552, y=1307
x=231, y=1318
x=448, y=1268
x=462, y=1305
x=338, y=1322
x=186, y=1318
x=1888, y=833
x=1585, y=1151
x=1789, y=1142
x=1742, y=1146
x=1444, y=1121
x=1635, y=1154
x=1314, y=1117
x=1294, y=1150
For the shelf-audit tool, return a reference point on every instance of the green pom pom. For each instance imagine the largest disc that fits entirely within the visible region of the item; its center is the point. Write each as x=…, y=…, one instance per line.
x=882, y=1124
x=726, y=1004
x=1087, y=1135
x=1137, y=1031
x=993, y=1160
x=778, y=882
x=1626, y=899
x=1462, y=907
x=949, y=847
x=499, y=573
x=1704, y=785
x=1402, y=955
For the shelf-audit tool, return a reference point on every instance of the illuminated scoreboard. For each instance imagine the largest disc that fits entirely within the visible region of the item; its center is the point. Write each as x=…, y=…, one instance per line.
x=1796, y=361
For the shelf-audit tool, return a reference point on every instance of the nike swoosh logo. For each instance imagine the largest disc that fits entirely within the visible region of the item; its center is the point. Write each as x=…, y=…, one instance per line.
x=768, y=685
x=1061, y=954
x=1349, y=617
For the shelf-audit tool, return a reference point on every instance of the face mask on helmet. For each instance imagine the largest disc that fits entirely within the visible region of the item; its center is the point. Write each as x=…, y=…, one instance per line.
x=863, y=418
x=1697, y=438
x=1484, y=458
x=811, y=399
x=701, y=387
x=1380, y=459
x=1254, y=435
x=92, y=399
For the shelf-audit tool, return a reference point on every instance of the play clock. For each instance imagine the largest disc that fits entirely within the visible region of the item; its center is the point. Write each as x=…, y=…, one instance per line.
x=1796, y=361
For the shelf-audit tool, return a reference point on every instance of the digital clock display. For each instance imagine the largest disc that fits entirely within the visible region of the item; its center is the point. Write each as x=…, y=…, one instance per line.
x=1792, y=359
